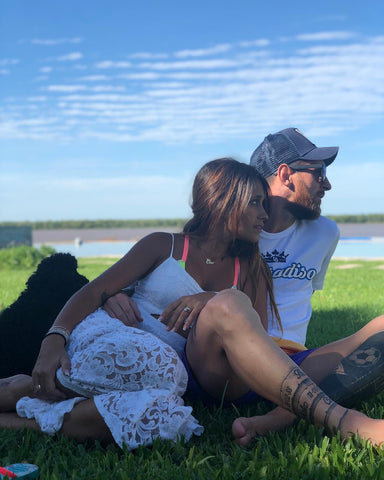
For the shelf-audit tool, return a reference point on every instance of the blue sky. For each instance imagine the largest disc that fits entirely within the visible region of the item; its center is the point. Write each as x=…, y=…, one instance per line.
x=108, y=109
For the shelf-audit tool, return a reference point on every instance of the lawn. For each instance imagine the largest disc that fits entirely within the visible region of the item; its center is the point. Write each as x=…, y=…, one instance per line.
x=353, y=294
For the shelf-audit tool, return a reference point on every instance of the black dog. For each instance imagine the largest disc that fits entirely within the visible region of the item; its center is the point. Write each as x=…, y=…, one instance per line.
x=24, y=323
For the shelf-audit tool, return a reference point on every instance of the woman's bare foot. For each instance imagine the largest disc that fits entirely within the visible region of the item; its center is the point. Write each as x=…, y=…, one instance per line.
x=12, y=389
x=245, y=429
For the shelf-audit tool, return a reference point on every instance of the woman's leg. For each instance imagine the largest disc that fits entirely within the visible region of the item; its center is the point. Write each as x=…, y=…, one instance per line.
x=82, y=423
x=229, y=345
x=18, y=386
x=12, y=389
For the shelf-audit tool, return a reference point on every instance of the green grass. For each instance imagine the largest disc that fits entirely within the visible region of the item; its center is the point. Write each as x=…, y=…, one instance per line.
x=351, y=297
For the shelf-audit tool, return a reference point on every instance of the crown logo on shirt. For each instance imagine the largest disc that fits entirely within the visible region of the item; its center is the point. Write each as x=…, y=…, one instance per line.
x=275, y=257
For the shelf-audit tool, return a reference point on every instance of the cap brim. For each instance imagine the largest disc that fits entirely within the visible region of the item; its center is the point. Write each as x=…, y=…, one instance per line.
x=323, y=154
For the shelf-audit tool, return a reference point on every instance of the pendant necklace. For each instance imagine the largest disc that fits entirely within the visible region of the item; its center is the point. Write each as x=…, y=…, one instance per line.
x=209, y=261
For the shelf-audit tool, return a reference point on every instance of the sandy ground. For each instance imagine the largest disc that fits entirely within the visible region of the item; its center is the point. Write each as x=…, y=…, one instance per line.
x=134, y=234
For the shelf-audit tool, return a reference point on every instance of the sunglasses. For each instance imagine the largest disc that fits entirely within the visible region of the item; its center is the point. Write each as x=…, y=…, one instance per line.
x=318, y=170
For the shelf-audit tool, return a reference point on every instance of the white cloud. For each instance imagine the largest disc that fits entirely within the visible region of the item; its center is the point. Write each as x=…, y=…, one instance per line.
x=325, y=36
x=149, y=56
x=8, y=61
x=140, y=76
x=339, y=84
x=191, y=64
x=204, y=51
x=94, y=78
x=37, y=99
x=70, y=57
x=261, y=42
x=55, y=41
x=111, y=64
x=66, y=88
x=46, y=69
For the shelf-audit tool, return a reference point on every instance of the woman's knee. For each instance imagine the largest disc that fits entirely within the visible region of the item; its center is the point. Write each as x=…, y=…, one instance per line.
x=230, y=300
x=228, y=309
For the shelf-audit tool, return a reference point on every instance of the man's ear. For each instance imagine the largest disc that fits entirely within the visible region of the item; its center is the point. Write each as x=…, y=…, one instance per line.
x=284, y=173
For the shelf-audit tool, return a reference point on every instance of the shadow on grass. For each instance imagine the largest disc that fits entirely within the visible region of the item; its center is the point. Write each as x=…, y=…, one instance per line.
x=329, y=325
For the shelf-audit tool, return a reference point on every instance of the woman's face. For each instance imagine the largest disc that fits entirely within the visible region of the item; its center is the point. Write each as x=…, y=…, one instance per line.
x=254, y=216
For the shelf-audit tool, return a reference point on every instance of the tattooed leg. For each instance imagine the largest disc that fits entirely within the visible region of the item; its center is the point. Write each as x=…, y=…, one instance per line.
x=301, y=396
x=358, y=376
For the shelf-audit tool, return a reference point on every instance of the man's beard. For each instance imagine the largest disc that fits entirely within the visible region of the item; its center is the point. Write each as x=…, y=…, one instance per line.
x=304, y=207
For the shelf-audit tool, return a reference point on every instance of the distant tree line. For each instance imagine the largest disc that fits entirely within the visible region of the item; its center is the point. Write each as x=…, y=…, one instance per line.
x=78, y=224
x=171, y=222
x=362, y=218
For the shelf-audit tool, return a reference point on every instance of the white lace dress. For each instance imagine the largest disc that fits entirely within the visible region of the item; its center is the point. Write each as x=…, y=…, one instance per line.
x=135, y=379
x=134, y=376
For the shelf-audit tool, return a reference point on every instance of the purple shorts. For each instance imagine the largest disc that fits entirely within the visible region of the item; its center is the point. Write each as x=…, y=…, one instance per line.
x=196, y=392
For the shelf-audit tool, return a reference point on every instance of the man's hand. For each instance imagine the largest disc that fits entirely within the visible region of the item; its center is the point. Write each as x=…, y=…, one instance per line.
x=180, y=315
x=123, y=308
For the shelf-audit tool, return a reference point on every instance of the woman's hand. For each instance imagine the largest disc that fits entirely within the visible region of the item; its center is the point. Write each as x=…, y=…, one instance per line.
x=51, y=357
x=180, y=315
x=123, y=308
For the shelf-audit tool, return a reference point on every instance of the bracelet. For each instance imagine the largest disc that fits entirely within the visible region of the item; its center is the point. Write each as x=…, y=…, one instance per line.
x=58, y=330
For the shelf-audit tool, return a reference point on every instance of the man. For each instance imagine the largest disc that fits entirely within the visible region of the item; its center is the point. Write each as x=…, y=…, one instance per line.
x=297, y=242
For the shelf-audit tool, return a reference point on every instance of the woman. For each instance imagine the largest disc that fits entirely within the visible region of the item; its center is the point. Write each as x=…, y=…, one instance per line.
x=224, y=190
x=228, y=351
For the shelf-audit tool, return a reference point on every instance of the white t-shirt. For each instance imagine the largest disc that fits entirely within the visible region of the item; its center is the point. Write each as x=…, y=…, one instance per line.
x=298, y=258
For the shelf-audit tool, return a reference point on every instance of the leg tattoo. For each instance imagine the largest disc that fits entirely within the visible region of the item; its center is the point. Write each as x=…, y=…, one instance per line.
x=358, y=376
x=304, y=398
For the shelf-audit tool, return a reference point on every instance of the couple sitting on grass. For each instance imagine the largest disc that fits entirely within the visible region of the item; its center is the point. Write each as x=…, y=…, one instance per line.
x=203, y=319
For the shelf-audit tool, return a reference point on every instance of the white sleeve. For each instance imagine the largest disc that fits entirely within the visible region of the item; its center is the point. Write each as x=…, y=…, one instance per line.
x=318, y=280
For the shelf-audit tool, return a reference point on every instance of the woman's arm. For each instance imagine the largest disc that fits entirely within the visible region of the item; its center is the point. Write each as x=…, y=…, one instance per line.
x=144, y=256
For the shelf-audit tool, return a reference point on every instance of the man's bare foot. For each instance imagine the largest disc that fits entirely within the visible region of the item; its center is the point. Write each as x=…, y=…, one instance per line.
x=370, y=429
x=12, y=389
x=352, y=422
x=244, y=429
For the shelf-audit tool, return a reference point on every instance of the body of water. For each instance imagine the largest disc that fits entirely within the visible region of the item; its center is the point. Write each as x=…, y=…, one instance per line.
x=360, y=247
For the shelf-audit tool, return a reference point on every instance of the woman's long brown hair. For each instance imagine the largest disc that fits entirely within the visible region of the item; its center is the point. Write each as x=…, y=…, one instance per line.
x=221, y=192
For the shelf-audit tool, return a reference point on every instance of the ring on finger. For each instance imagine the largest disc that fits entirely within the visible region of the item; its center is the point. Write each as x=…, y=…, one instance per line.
x=36, y=388
x=187, y=309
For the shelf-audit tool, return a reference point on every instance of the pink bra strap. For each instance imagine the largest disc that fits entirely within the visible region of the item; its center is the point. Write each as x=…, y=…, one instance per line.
x=237, y=273
x=185, y=252
x=186, y=247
